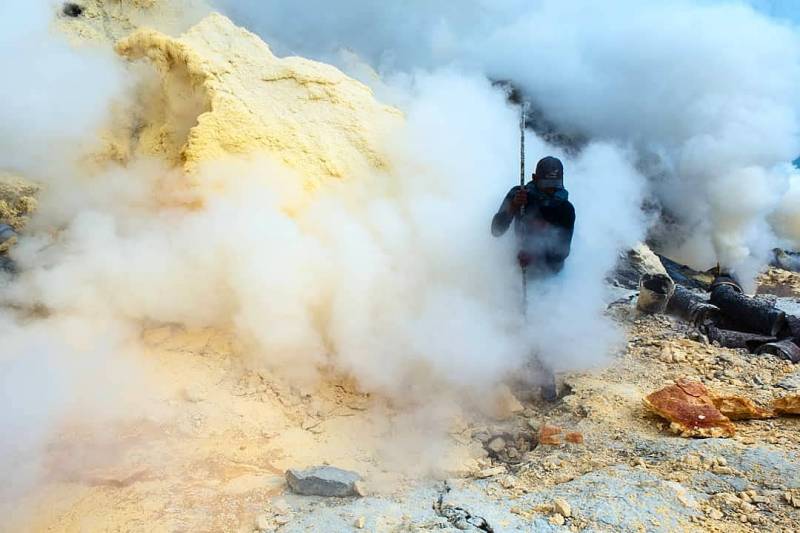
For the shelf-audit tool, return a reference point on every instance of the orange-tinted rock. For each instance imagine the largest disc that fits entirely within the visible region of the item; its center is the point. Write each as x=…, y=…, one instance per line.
x=788, y=405
x=550, y=435
x=690, y=409
x=574, y=437
x=740, y=408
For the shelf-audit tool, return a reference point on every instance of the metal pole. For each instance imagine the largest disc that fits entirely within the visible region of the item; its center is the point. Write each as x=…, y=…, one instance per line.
x=522, y=116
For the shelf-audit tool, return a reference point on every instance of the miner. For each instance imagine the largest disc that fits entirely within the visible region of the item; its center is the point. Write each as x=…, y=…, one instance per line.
x=543, y=217
x=544, y=220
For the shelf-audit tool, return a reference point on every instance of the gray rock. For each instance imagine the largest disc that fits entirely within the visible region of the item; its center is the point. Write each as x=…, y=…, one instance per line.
x=760, y=465
x=323, y=481
x=634, y=264
x=623, y=499
x=790, y=382
x=6, y=233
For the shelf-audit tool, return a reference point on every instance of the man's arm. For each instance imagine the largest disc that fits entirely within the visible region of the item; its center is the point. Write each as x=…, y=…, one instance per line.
x=502, y=219
x=566, y=224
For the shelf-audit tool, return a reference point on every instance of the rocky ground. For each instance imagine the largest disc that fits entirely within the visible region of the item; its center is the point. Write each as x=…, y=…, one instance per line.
x=216, y=460
x=629, y=474
x=208, y=439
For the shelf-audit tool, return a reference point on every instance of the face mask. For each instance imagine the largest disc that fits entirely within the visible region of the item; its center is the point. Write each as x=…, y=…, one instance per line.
x=550, y=183
x=559, y=195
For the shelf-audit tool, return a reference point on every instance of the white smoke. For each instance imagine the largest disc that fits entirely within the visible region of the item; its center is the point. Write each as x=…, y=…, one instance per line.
x=396, y=280
x=52, y=93
x=706, y=89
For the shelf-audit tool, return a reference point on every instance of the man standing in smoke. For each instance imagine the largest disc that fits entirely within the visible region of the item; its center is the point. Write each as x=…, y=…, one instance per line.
x=544, y=220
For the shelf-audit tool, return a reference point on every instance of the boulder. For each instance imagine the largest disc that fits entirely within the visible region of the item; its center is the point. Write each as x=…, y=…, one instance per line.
x=634, y=264
x=324, y=481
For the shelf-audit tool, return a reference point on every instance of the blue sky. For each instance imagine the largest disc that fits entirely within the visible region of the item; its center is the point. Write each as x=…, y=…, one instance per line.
x=789, y=9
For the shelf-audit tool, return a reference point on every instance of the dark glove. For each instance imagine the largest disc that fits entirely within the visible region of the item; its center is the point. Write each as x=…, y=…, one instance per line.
x=519, y=200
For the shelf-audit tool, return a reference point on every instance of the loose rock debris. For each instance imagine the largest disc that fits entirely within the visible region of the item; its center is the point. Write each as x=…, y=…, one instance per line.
x=788, y=405
x=550, y=435
x=739, y=408
x=324, y=481
x=690, y=409
x=574, y=437
x=72, y=10
x=695, y=411
x=459, y=517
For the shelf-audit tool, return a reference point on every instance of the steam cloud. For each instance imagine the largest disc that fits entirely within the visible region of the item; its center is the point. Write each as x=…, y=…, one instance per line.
x=705, y=92
x=397, y=280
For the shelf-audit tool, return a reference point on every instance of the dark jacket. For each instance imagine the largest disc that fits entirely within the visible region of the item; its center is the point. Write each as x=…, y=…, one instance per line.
x=545, y=230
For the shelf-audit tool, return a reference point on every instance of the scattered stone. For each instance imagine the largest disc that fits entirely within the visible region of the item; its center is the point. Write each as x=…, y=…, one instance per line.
x=791, y=382
x=693, y=460
x=72, y=10
x=792, y=497
x=715, y=514
x=788, y=405
x=497, y=444
x=360, y=522
x=574, y=437
x=491, y=472
x=282, y=520
x=562, y=507
x=462, y=524
x=324, y=481
x=690, y=409
x=359, y=488
x=508, y=482
x=557, y=520
x=549, y=435
x=740, y=408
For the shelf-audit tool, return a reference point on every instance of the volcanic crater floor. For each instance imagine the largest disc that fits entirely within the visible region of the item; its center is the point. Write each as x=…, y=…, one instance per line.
x=214, y=457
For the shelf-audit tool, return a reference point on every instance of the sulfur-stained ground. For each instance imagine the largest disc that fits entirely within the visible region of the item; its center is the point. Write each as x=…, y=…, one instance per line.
x=209, y=453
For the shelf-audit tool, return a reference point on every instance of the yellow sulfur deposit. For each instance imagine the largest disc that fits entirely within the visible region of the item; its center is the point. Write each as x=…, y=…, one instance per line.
x=17, y=200
x=106, y=21
x=223, y=92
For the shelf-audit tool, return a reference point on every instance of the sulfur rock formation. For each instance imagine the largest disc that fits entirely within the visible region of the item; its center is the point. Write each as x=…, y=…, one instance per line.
x=106, y=21
x=17, y=200
x=223, y=92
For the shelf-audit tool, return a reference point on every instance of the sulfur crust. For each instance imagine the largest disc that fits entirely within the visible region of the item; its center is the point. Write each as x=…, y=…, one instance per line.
x=17, y=200
x=223, y=92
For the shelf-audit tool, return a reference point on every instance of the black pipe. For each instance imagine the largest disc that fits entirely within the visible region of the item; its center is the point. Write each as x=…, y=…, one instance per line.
x=745, y=313
x=737, y=339
x=691, y=307
x=791, y=329
x=786, y=349
x=655, y=291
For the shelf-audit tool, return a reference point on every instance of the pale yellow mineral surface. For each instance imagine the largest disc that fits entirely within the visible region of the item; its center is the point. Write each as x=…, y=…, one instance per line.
x=208, y=89
x=106, y=21
x=223, y=92
x=17, y=199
